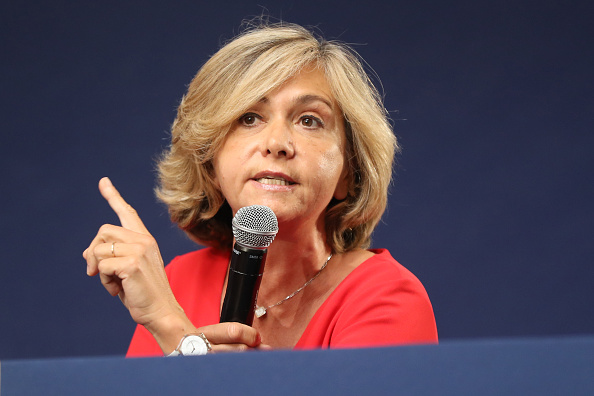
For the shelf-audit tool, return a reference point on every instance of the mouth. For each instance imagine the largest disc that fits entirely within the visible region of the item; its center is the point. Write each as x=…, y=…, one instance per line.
x=276, y=181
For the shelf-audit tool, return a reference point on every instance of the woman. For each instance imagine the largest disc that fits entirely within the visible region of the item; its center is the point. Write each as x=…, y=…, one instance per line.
x=280, y=118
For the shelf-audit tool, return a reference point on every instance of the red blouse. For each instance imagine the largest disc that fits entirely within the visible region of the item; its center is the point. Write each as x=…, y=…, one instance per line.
x=380, y=303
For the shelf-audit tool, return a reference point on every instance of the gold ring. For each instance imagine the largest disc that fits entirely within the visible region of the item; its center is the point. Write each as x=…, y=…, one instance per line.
x=112, y=249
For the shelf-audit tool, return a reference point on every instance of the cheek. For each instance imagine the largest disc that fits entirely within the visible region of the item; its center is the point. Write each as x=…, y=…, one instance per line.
x=226, y=159
x=223, y=175
x=221, y=166
x=331, y=165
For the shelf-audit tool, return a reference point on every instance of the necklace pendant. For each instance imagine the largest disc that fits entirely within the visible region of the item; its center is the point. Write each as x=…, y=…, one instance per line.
x=259, y=312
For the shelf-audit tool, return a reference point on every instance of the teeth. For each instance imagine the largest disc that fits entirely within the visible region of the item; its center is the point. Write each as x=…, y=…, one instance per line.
x=276, y=182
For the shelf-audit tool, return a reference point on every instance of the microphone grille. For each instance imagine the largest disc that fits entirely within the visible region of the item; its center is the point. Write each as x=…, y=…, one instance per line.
x=255, y=226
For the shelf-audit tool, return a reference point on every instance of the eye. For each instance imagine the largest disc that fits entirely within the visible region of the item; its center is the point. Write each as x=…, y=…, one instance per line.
x=309, y=121
x=249, y=119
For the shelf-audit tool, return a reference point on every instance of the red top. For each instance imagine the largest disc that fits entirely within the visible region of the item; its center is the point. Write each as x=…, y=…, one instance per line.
x=380, y=303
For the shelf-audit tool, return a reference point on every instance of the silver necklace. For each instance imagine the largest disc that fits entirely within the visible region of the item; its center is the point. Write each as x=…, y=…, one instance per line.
x=261, y=311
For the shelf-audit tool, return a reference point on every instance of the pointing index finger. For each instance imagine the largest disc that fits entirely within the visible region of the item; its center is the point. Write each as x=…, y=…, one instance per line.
x=125, y=212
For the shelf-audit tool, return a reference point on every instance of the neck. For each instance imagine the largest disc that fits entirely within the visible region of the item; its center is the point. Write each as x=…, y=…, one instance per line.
x=293, y=258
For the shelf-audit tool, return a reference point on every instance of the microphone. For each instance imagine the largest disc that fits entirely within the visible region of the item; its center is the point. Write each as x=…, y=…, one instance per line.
x=254, y=229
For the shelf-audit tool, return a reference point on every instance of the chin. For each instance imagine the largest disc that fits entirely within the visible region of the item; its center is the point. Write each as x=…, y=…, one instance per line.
x=282, y=211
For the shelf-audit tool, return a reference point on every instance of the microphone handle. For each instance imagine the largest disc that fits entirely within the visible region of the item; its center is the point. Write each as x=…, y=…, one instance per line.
x=243, y=282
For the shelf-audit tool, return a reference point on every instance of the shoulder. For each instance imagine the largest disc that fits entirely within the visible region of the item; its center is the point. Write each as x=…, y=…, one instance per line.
x=379, y=303
x=380, y=269
x=381, y=286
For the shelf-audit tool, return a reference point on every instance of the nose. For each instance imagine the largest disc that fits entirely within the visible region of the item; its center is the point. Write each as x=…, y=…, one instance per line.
x=278, y=140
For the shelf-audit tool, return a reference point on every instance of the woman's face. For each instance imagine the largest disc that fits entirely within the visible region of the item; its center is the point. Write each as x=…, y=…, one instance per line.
x=287, y=152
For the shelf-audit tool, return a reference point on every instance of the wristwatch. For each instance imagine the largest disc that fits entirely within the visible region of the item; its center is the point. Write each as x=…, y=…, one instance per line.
x=192, y=345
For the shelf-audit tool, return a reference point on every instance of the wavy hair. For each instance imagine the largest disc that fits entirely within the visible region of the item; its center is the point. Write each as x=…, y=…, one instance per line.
x=242, y=72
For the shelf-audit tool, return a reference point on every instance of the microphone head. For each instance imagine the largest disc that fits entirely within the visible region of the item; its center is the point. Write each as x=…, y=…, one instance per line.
x=255, y=226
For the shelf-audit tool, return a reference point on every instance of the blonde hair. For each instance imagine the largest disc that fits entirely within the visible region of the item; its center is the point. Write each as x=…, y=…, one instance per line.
x=237, y=76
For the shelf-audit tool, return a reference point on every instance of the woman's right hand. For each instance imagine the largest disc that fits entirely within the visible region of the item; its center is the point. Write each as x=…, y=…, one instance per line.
x=129, y=264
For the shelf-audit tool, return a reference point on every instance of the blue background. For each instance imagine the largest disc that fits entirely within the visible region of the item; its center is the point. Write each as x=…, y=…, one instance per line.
x=492, y=202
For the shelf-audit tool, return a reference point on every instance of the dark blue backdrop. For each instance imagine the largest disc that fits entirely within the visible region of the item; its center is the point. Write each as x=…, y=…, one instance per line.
x=491, y=205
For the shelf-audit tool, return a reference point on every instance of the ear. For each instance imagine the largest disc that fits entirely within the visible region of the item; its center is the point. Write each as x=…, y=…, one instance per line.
x=342, y=187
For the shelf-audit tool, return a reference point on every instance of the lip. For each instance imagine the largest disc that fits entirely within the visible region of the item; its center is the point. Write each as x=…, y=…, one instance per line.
x=274, y=175
x=273, y=187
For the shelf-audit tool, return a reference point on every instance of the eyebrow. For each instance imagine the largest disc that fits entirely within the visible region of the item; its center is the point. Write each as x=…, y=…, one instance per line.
x=305, y=99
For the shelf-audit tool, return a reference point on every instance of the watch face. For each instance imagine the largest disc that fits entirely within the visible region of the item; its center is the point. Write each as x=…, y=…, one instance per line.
x=193, y=345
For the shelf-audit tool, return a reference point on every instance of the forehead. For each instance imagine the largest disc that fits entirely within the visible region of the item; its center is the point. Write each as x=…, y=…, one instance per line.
x=307, y=86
